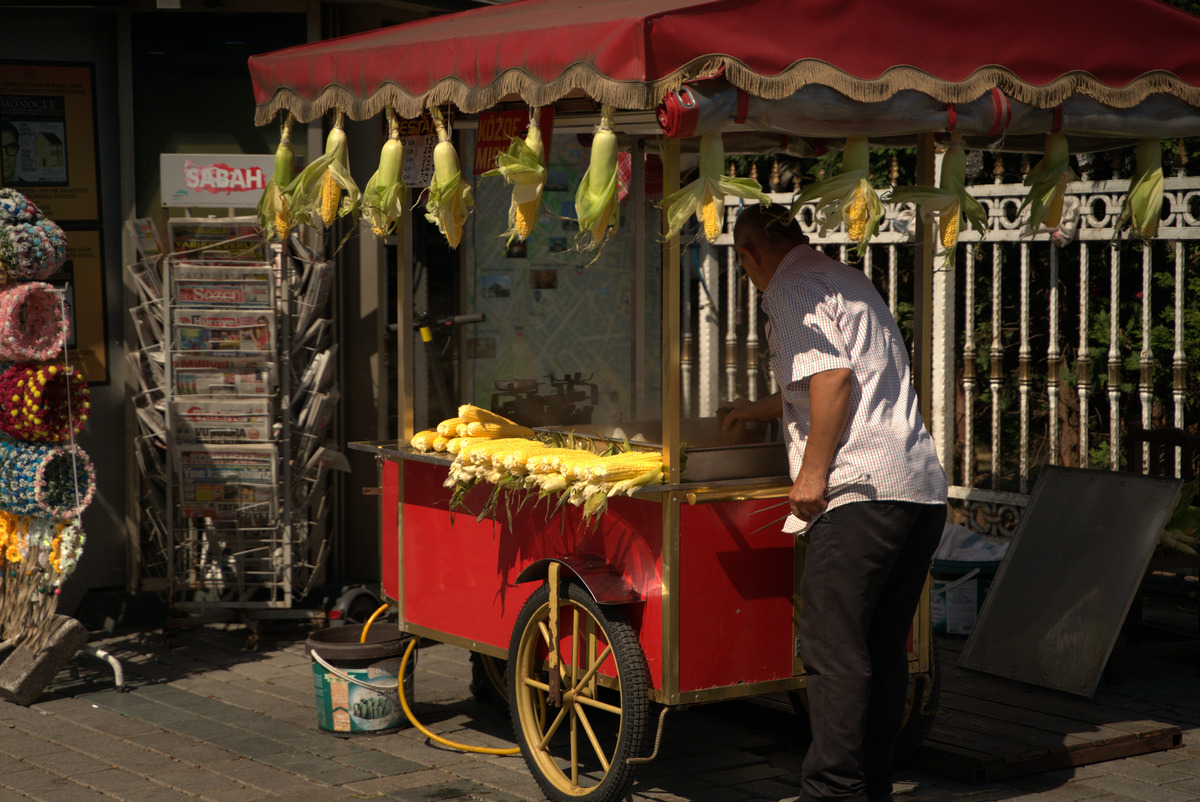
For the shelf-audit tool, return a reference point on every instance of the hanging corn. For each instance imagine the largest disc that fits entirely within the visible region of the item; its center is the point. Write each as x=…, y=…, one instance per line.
x=705, y=197
x=273, y=217
x=315, y=195
x=1047, y=183
x=949, y=200
x=1143, y=204
x=524, y=166
x=596, y=202
x=386, y=195
x=847, y=197
x=450, y=198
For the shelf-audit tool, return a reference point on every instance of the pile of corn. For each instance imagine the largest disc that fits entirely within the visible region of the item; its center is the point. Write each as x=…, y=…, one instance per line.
x=493, y=448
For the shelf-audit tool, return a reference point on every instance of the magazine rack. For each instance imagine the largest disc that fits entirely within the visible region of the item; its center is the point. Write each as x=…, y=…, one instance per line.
x=235, y=376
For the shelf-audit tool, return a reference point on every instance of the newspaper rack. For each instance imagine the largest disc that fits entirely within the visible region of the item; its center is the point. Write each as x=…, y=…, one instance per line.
x=233, y=401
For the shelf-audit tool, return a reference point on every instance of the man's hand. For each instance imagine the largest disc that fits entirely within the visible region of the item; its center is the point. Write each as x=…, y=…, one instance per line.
x=807, y=496
x=730, y=412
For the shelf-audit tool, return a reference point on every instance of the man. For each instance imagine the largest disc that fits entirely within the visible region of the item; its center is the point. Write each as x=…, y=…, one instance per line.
x=868, y=489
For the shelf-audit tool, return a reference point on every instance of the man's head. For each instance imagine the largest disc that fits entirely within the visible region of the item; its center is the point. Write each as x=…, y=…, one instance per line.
x=762, y=236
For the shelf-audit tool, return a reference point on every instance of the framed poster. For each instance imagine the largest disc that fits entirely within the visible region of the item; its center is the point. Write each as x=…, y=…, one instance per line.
x=83, y=278
x=48, y=137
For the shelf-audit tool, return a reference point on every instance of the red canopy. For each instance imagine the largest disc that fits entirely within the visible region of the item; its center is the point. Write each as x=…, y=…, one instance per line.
x=631, y=53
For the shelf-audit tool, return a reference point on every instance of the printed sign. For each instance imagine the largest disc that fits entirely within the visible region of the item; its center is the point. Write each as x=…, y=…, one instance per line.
x=212, y=180
x=48, y=138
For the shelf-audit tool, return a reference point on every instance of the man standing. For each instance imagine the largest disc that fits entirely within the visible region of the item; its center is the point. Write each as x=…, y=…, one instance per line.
x=867, y=487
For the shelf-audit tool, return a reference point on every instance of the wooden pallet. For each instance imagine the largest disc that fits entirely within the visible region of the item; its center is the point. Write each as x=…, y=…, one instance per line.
x=990, y=728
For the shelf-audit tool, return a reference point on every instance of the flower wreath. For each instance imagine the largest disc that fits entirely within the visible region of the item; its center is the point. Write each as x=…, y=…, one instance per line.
x=31, y=245
x=42, y=544
x=45, y=480
x=33, y=327
x=43, y=403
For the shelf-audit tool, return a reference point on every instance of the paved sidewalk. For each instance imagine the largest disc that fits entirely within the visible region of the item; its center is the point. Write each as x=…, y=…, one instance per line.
x=207, y=718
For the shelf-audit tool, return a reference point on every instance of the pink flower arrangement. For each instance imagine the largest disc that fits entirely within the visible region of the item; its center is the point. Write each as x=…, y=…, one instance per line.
x=43, y=403
x=33, y=326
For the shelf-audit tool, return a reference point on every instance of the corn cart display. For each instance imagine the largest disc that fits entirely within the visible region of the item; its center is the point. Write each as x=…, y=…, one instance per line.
x=609, y=583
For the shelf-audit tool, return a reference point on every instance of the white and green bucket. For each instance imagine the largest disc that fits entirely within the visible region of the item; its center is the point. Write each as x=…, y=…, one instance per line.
x=356, y=683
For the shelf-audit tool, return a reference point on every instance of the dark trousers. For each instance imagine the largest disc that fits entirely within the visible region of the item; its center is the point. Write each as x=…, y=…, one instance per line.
x=864, y=570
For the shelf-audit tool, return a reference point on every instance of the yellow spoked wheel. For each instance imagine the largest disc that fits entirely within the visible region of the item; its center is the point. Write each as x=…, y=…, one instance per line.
x=578, y=732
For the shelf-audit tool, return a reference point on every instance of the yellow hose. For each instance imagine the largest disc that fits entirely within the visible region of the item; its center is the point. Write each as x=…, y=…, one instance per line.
x=484, y=750
x=371, y=620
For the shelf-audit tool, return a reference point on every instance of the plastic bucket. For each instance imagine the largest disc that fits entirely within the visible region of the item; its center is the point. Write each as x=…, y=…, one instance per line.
x=956, y=593
x=355, y=684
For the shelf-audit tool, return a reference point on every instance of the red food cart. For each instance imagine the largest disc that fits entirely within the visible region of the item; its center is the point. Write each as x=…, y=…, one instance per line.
x=686, y=592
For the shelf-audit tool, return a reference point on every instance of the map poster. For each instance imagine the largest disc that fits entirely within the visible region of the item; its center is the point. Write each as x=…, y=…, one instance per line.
x=82, y=276
x=48, y=137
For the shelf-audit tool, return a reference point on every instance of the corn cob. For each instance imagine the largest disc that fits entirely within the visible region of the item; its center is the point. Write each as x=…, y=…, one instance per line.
x=449, y=427
x=847, y=197
x=273, y=217
x=487, y=449
x=1143, y=205
x=596, y=201
x=453, y=444
x=450, y=195
x=311, y=194
x=623, y=466
x=478, y=429
x=440, y=442
x=423, y=441
x=1047, y=183
x=524, y=166
x=949, y=201
x=386, y=195
x=705, y=197
x=472, y=414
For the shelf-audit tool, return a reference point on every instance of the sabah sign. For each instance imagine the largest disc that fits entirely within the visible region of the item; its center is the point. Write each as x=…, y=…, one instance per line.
x=214, y=180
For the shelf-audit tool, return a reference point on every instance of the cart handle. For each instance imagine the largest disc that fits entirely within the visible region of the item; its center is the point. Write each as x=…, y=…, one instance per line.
x=343, y=675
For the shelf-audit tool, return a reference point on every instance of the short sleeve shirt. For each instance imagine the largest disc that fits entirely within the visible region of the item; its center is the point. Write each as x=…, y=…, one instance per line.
x=824, y=315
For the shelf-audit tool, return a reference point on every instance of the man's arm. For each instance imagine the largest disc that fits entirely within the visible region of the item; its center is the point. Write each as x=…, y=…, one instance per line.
x=765, y=408
x=829, y=409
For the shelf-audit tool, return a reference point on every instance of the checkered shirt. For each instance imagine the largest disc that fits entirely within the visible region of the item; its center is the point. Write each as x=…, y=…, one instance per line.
x=823, y=315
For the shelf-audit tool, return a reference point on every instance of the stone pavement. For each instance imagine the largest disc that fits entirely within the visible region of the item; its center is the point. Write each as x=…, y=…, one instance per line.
x=206, y=717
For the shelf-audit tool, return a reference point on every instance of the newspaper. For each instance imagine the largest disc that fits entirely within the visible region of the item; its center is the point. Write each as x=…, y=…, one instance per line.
x=313, y=473
x=312, y=422
x=228, y=482
x=221, y=374
x=224, y=330
x=146, y=280
x=145, y=237
x=224, y=420
x=234, y=285
x=215, y=240
x=147, y=322
x=147, y=367
x=317, y=284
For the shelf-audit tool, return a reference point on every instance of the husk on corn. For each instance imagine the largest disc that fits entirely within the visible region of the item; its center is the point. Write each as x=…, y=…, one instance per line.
x=449, y=199
x=523, y=166
x=1142, y=209
x=597, y=204
x=705, y=196
x=949, y=201
x=1047, y=183
x=847, y=197
x=314, y=196
x=386, y=196
x=274, y=218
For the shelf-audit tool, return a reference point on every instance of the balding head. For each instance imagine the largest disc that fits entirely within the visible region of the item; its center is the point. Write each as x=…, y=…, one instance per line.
x=762, y=236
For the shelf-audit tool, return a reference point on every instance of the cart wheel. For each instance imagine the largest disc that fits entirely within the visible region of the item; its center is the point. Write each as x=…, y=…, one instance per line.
x=581, y=749
x=488, y=683
x=924, y=691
